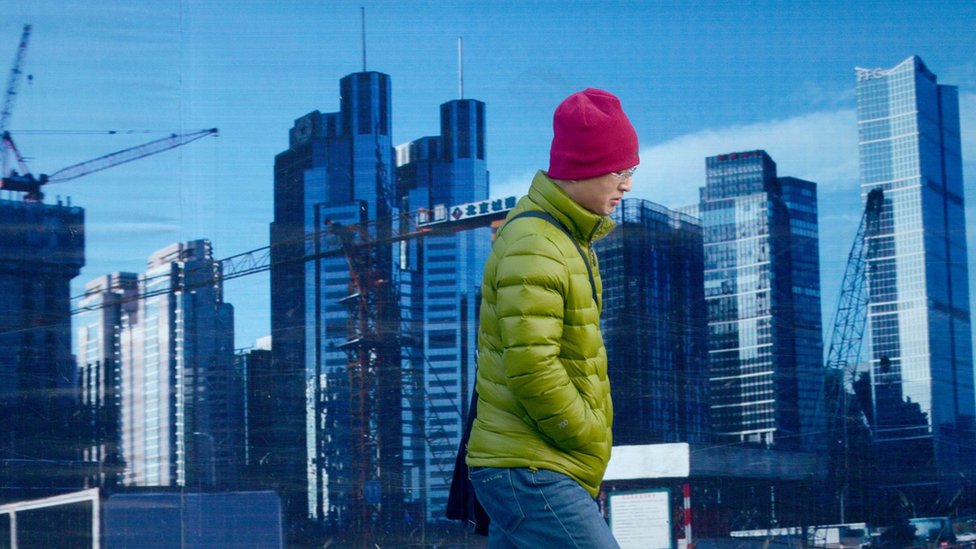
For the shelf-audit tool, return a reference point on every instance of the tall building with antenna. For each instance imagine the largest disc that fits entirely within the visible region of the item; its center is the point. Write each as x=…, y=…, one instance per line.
x=921, y=370
x=337, y=170
x=341, y=170
x=440, y=296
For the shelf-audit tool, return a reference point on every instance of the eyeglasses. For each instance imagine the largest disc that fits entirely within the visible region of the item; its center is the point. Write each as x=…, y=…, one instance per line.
x=624, y=174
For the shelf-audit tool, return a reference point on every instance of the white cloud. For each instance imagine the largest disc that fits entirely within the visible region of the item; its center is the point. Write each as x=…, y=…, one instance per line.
x=514, y=186
x=820, y=147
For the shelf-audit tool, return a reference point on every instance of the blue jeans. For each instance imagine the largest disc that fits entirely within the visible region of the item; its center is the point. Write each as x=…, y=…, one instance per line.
x=538, y=509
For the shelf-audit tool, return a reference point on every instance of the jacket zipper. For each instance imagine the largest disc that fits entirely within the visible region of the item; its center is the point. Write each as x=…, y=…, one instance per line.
x=589, y=242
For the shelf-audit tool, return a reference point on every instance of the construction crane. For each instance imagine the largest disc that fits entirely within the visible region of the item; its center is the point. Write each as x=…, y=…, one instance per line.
x=373, y=350
x=375, y=333
x=407, y=226
x=844, y=352
x=374, y=346
x=26, y=182
x=11, y=93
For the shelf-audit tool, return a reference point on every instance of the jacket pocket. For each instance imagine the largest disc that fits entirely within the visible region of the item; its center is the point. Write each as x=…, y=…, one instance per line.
x=497, y=494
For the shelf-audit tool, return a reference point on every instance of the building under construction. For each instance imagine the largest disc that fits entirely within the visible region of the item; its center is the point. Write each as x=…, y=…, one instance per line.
x=42, y=247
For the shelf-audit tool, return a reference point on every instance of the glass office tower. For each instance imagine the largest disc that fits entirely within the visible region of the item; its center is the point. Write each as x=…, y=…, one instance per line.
x=98, y=329
x=440, y=296
x=762, y=291
x=181, y=403
x=654, y=325
x=338, y=169
x=800, y=197
x=255, y=368
x=918, y=313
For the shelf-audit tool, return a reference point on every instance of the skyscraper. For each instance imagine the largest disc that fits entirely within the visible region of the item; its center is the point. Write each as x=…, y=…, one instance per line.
x=919, y=317
x=440, y=295
x=800, y=197
x=42, y=247
x=763, y=299
x=182, y=404
x=654, y=325
x=336, y=172
x=98, y=328
x=259, y=390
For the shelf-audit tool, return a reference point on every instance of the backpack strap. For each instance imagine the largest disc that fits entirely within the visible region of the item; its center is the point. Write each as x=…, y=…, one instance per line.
x=462, y=504
x=549, y=217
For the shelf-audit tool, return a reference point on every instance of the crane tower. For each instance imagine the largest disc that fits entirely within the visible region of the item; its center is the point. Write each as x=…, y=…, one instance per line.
x=842, y=415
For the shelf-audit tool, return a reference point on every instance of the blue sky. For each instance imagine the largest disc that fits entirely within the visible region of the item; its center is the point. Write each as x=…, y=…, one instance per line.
x=697, y=78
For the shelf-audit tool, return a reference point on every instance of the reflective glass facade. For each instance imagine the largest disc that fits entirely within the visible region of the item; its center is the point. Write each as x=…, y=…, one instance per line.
x=440, y=296
x=763, y=299
x=98, y=333
x=919, y=316
x=338, y=169
x=259, y=381
x=800, y=197
x=181, y=398
x=654, y=325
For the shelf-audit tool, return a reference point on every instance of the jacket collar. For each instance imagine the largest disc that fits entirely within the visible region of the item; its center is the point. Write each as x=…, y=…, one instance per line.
x=585, y=225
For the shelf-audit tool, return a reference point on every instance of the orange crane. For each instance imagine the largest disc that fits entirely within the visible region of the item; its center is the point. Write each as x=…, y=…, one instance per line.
x=27, y=183
x=422, y=222
x=373, y=339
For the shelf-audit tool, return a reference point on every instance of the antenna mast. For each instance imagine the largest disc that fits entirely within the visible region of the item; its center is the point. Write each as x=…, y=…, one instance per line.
x=460, y=69
x=362, y=11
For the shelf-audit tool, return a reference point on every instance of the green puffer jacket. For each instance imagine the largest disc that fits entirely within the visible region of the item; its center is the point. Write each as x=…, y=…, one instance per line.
x=544, y=397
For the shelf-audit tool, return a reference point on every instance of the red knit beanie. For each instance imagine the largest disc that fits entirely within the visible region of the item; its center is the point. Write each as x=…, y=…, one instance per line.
x=591, y=137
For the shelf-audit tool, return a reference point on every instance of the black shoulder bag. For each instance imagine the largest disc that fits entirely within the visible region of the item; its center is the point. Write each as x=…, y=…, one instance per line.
x=462, y=504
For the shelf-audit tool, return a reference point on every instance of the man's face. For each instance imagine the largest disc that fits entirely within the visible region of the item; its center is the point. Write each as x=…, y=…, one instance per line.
x=601, y=195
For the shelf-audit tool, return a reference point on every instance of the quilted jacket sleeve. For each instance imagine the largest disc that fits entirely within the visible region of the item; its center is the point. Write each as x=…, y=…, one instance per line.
x=533, y=281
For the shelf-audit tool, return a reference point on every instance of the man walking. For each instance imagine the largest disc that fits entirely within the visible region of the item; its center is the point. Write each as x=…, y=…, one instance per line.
x=541, y=440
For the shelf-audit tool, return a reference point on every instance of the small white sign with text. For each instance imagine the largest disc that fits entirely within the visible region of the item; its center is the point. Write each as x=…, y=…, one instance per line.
x=641, y=520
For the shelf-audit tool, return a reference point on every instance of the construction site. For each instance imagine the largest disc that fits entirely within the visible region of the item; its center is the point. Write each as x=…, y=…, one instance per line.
x=350, y=421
